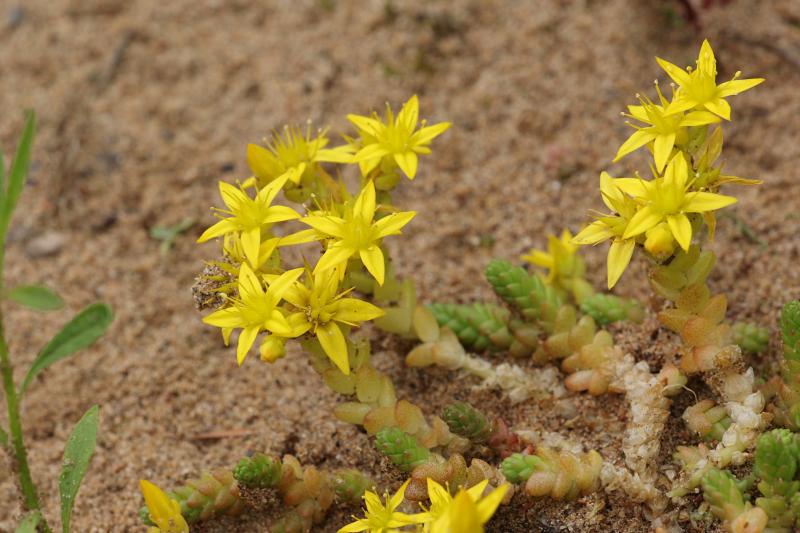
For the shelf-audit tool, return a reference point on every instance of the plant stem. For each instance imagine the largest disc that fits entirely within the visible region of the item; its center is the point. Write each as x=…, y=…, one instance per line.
x=27, y=485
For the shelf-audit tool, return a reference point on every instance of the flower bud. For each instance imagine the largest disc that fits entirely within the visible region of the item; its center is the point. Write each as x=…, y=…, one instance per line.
x=272, y=348
x=659, y=241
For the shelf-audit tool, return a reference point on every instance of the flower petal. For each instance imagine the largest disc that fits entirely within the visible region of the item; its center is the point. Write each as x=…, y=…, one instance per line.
x=681, y=229
x=619, y=256
x=230, y=317
x=409, y=114
x=428, y=133
x=733, y=87
x=332, y=341
x=336, y=254
x=372, y=258
x=232, y=196
x=391, y=224
x=407, y=161
x=364, y=205
x=246, y=340
x=370, y=151
x=355, y=311
x=283, y=283
x=279, y=213
x=634, y=142
x=643, y=220
x=662, y=148
x=251, y=244
x=223, y=227
x=679, y=76
x=698, y=202
x=593, y=233
x=719, y=107
x=329, y=225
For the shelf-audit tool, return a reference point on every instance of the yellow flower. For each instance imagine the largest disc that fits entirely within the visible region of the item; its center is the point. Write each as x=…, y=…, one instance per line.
x=464, y=513
x=560, y=259
x=164, y=511
x=255, y=310
x=291, y=151
x=321, y=308
x=380, y=518
x=613, y=227
x=698, y=88
x=357, y=234
x=669, y=199
x=665, y=130
x=395, y=139
x=248, y=216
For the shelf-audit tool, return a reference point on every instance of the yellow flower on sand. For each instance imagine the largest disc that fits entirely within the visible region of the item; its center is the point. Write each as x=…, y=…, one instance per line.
x=560, y=259
x=321, y=310
x=291, y=151
x=380, y=518
x=612, y=226
x=164, y=511
x=357, y=234
x=698, y=89
x=665, y=130
x=397, y=138
x=668, y=199
x=248, y=216
x=467, y=512
x=255, y=309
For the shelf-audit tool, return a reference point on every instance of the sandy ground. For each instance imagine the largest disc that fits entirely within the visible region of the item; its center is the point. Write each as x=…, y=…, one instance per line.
x=143, y=105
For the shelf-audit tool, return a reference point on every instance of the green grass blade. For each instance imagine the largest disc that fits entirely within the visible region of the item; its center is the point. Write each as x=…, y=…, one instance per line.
x=19, y=167
x=80, y=332
x=36, y=297
x=29, y=523
x=77, y=453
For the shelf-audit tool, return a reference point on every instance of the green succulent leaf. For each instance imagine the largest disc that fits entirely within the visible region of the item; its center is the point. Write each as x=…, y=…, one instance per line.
x=77, y=453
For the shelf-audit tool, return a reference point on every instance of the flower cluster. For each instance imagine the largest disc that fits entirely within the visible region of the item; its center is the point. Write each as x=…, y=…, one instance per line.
x=668, y=210
x=259, y=293
x=466, y=512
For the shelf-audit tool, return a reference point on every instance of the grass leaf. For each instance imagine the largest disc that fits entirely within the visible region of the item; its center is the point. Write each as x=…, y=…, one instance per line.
x=19, y=167
x=77, y=453
x=36, y=297
x=29, y=523
x=80, y=332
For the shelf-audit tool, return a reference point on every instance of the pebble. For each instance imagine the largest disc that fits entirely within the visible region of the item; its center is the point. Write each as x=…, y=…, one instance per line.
x=46, y=245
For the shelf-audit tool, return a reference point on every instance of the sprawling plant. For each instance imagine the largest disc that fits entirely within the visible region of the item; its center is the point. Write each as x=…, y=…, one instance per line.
x=339, y=276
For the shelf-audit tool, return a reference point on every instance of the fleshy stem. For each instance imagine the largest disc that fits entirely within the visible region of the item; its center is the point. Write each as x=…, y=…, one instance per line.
x=29, y=492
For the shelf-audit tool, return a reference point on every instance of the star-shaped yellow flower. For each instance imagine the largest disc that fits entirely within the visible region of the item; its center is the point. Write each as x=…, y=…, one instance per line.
x=255, y=309
x=669, y=199
x=698, y=89
x=291, y=151
x=467, y=512
x=380, y=518
x=612, y=226
x=357, y=234
x=560, y=259
x=164, y=512
x=248, y=216
x=321, y=308
x=665, y=129
x=397, y=138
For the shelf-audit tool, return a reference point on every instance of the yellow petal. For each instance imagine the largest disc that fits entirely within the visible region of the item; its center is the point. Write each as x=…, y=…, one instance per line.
x=464, y=516
x=397, y=498
x=488, y=505
x=733, y=87
x=682, y=229
x=261, y=162
x=409, y=114
x=283, y=283
x=539, y=258
x=340, y=154
x=354, y=311
x=230, y=317
x=300, y=237
x=364, y=205
x=251, y=243
x=719, y=107
x=681, y=103
x=355, y=527
x=246, y=340
x=428, y=133
x=329, y=225
x=643, y=220
x=372, y=258
x=267, y=194
x=365, y=124
x=279, y=213
x=232, y=196
x=223, y=227
x=698, y=202
x=391, y=224
x=679, y=76
x=593, y=233
x=635, y=141
x=662, y=148
x=619, y=256
x=332, y=341
x=699, y=118
x=636, y=187
x=439, y=496
x=407, y=161
x=371, y=151
x=248, y=283
x=336, y=254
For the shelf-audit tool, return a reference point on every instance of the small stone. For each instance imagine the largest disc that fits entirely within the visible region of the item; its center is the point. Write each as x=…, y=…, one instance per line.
x=46, y=245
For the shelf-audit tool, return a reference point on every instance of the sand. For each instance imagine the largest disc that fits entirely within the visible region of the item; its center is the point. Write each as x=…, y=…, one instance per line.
x=144, y=105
